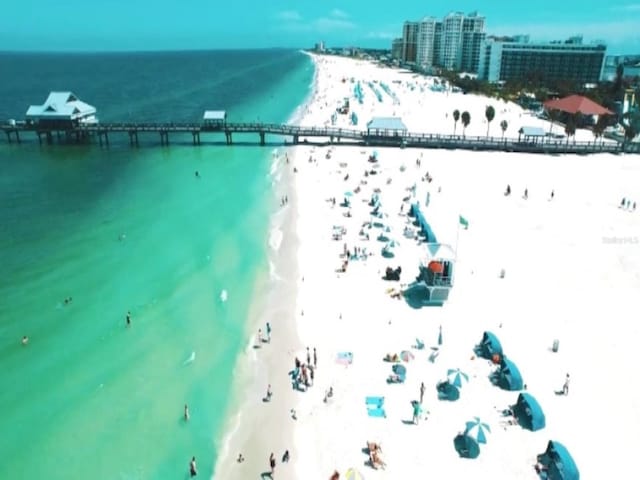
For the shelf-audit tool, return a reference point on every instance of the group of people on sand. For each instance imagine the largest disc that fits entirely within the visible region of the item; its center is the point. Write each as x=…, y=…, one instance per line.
x=627, y=205
x=304, y=373
x=525, y=195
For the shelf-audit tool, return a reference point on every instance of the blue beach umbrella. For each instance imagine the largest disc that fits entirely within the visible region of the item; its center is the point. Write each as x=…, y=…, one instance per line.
x=455, y=377
x=477, y=430
x=348, y=193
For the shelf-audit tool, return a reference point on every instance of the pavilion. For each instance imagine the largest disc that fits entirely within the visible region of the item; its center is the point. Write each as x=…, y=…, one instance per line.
x=577, y=104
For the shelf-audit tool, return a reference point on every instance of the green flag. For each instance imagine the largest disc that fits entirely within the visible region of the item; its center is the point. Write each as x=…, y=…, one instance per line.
x=464, y=222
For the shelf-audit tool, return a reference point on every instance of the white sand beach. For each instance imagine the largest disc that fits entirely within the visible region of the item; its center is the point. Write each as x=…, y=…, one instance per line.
x=571, y=266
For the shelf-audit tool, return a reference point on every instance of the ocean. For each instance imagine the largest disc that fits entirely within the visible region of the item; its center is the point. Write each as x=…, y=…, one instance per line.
x=124, y=229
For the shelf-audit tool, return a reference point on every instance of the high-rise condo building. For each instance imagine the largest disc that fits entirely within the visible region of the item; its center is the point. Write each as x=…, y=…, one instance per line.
x=472, y=37
x=425, y=55
x=409, y=41
x=506, y=59
x=453, y=43
x=396, y=49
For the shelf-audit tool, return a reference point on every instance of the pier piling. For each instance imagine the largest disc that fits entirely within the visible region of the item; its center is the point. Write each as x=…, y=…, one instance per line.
x=262, y=138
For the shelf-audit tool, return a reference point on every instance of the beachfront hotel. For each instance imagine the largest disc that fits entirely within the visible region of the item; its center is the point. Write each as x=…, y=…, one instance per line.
x=514, y=58
x=452, y=43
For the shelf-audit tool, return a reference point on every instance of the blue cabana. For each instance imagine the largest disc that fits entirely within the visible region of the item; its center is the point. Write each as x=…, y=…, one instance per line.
x=528, y=412
x=421, y=222
x=466, y=446
x=508, y=376
x=489, y=346
x=558, y=463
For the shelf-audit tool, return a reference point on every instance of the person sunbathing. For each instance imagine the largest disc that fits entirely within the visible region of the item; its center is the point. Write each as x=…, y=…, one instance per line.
x=376, y=461
x=374, y=447
x=395, y=378
x=391, y=358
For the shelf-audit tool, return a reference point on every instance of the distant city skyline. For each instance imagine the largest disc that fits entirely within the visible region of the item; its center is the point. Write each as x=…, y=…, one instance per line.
x=75, y=25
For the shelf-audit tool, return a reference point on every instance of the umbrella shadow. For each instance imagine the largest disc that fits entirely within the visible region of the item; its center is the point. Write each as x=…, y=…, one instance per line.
x=408, y=422
x=265, y=475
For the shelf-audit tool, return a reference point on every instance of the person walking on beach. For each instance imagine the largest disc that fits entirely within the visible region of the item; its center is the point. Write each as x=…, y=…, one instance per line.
x=422, y=388
x=193, y=470
x=267, y=398
x=285, y=457
x=565, y=387
x=268, y=332
x=272, y=463
x=315, y=358
x=308, y=357
x=128, y=319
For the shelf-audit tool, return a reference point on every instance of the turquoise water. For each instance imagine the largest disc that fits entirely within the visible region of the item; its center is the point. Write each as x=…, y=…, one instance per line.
x=88, y=396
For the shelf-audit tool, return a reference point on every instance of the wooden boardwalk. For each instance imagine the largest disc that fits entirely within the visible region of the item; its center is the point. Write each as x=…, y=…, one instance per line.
x=300, y=134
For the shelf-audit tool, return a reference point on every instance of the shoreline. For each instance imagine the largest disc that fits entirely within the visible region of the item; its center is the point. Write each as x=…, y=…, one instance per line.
x=273, y=302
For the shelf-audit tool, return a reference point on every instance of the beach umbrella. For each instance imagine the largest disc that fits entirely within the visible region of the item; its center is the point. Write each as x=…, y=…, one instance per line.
x=353, y=474
x=406, y=355
x=348, y=193
x=477, y=430
x=455, y=377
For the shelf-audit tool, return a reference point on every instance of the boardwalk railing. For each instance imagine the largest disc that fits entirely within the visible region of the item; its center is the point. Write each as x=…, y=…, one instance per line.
x=325, y=134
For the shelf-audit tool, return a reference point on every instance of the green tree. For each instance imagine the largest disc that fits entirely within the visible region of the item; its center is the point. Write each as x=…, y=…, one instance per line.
x=503, y=125
x=466, y=120
x=456, y=117
x=489, y=114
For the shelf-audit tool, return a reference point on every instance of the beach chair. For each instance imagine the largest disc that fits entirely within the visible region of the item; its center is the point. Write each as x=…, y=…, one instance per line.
x=376, y=412
x=374, y=402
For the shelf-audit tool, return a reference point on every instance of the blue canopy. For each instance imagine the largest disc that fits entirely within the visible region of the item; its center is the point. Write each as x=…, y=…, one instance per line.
x=466, y=446
x=509, y=376
x=558, y=462
x=528, y=412
x=489, y=346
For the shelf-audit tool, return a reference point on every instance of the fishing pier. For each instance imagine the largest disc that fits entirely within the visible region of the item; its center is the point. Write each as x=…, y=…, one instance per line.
x=65, y=118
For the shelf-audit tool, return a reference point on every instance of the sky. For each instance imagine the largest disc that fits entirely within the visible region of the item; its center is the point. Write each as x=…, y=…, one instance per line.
x=96, y=25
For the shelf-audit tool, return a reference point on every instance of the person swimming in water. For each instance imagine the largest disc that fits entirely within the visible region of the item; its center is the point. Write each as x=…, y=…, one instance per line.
x=25, y=340
x=192, y=467
x=186, y=412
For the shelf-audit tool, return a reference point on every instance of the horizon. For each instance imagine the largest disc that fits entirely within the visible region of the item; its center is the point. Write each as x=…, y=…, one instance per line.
x=286, y=24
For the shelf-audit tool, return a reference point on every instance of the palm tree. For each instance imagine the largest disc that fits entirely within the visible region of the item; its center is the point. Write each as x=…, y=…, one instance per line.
x=503, y=125
x=456, y=117
x=553, y=116
x=570, y=128
x=489, y=113
x=600, y=126
x=466, y=120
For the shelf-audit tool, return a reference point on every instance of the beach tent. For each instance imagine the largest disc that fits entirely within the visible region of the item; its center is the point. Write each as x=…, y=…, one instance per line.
x=489, y=346
x=528, y=412
x=508, y=376
x=466, y=446
x=558, y=463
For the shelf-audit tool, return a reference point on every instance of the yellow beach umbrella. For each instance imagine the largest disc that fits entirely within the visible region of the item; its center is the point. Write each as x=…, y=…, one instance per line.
x=353, y=474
